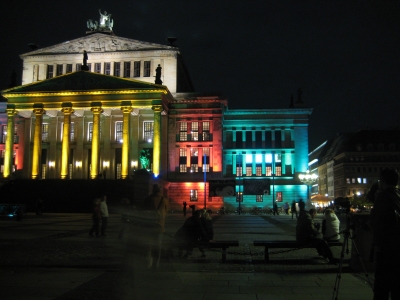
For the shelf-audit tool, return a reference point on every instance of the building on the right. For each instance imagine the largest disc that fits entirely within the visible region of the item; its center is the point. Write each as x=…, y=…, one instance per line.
x=352, y=162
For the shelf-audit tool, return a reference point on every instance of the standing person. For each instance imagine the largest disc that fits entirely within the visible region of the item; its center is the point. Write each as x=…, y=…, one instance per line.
x=330, y=226
x=275, y=209
x=184, y=208
x=385, y=221
x=206, y=221
x=302, y=205
x=157, y=203
x=286, y=208
x=307, y=234
x=294, y=209
x=104, y=215
x=96, y=218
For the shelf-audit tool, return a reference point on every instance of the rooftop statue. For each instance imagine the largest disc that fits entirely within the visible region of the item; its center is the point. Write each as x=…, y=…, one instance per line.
x=106, y=23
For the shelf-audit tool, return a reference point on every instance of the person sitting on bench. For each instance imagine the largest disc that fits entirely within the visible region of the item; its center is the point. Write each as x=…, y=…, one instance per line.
x=307, y=234
x=190, y=234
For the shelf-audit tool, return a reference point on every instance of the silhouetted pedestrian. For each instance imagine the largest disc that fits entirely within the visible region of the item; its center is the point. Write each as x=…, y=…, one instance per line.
x=302, y=205
x=184, y=208
x=294, y=209
x=96, y=216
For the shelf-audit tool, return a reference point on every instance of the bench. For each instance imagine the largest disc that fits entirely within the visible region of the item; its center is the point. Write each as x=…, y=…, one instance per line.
x=222, y=245
x=286, y=244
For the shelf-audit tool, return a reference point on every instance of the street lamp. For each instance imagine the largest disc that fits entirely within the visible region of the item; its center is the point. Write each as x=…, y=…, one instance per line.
x=308, y=179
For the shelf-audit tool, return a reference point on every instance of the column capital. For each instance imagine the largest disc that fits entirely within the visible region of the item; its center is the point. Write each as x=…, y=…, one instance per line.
x=157, y=108
x=39, y=111
x=11, y=112
x=126, y=109
x=96, y=109
x=67, y=110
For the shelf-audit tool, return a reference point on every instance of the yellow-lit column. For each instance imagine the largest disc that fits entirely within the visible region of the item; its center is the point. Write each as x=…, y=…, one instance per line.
x=94, y=171
x=9, y=147
x=125, y=141
x=37, y=142
x=157, y=139
x=65, y=141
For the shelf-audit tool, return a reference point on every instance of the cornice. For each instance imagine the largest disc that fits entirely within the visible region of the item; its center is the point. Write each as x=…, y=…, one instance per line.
x=64, y=93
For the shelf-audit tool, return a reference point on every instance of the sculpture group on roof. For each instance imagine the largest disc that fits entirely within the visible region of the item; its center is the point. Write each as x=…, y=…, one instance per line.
x=106, y=23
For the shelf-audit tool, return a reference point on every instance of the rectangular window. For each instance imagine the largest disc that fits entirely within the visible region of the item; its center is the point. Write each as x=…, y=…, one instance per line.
x=146, y=71
x=348, y=180
x=118, y=131
x=194, y=168
x=117, y=69
x=119, y=169
x=239, y=171
x=43, y=171
x=278, y=170
x=279, y=197
x=182, y=160
x=127, y=69
x=78, y=67
x=69, y=68
x=249, y=171
x=90, y=131
x=193, y=195
x=59, y=70
x=206, y=165
x=107, y=68
x=353, y=180
x=183, y=131
x=365, y=180
x=50, y=71
x=359, y=180
x=259, y=198
x=97, y=68
x=206, y=131
x=136, y=69
x=195, y=131
x=268, y=171
x=45, y=132
x=4, y=134
x=258, y=171
x=89, y=67
x=148, y=131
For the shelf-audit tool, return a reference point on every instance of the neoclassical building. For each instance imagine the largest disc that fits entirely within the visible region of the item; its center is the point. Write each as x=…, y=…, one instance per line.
x=91, y=108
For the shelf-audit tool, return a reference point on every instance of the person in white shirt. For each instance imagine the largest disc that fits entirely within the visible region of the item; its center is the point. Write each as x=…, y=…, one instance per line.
x=104, y=215
x=330, y=226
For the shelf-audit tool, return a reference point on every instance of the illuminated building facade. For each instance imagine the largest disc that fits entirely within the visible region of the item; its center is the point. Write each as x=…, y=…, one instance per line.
x=77, y=117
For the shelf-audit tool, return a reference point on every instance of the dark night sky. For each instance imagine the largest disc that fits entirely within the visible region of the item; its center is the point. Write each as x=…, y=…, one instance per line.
x=343, y=54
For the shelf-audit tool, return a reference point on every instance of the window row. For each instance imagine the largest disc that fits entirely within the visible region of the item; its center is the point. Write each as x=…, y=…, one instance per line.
x=357, y=180
x=259, y=139
x=194, y=131
x=124, y=69
x=195, y=160
x=147, y=135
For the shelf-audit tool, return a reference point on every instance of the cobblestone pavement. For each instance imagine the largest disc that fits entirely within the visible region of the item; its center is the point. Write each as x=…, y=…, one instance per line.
x=53, y=257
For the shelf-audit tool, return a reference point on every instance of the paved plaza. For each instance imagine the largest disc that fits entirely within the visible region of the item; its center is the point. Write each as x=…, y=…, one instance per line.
x=53, y=257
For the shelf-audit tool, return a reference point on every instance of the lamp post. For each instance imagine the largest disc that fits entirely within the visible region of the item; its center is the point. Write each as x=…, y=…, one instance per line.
x=308, y=179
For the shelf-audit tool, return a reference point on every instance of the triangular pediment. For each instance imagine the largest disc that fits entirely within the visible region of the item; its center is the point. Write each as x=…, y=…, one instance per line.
x=98, y=43
x=84, y=81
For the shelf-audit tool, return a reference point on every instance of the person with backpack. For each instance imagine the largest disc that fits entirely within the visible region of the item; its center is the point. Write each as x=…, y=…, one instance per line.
x=385, y=221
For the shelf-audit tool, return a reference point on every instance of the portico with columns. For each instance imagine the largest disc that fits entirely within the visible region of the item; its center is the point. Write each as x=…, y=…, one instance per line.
x=85, y=125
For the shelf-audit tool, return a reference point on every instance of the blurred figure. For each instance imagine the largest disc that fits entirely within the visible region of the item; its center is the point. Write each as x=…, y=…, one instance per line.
x=307, y=234
x=286, y=208
x=385, y=221
x=184, y=208
x=104, y=215
x=302, y=205
x=275, y=209
x=206, y=221
x=330, y=226
x=294, y=209
x=159, y=204
x=96, y=216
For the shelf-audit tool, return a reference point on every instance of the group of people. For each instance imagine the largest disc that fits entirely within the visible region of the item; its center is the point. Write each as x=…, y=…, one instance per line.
x=99, y=216
x=196, y=230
